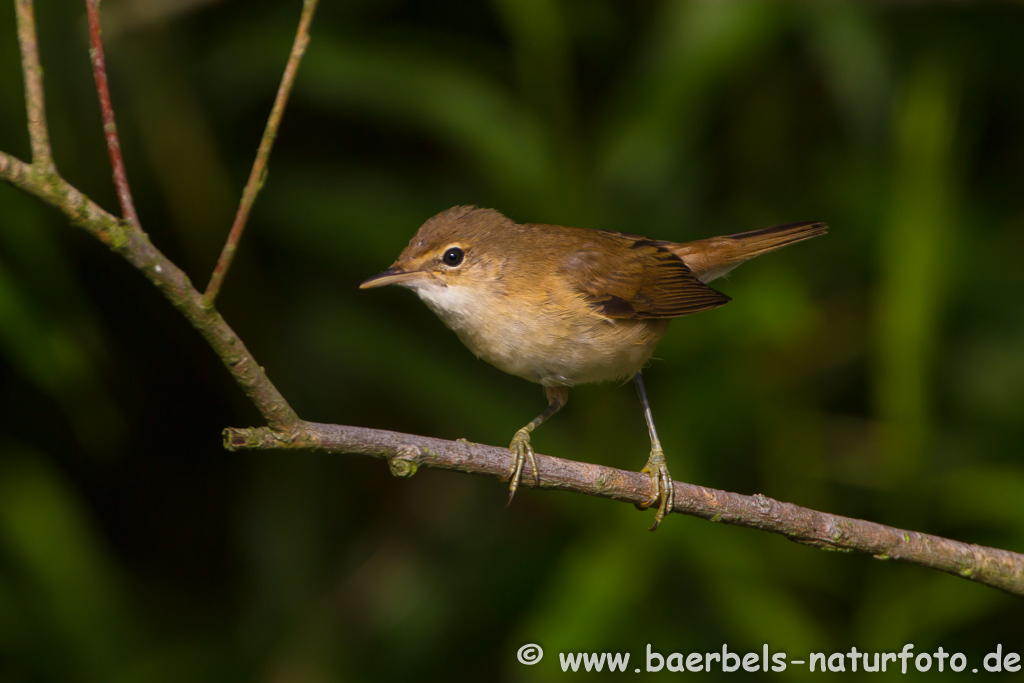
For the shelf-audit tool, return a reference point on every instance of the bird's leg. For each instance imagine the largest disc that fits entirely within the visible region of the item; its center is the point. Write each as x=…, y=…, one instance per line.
x=521, y=449
x=662, y=491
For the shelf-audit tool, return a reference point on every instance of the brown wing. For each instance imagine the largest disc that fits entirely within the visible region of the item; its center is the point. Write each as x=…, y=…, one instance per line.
x=648, y=281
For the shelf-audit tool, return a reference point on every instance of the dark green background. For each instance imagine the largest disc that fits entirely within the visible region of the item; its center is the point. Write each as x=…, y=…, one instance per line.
x=877, y=372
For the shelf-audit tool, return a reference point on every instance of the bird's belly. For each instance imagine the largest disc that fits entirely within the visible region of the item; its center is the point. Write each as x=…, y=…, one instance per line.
x=544, y=344
x=609, y=350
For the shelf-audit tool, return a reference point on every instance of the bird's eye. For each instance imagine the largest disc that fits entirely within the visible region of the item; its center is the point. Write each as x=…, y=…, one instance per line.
x=453, y=257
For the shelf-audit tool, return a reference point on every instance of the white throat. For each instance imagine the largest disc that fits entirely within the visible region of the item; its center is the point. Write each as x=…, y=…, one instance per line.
x=461, y=308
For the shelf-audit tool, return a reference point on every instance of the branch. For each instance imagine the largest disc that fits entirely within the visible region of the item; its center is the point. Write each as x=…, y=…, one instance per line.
x=259, y=167
x=405, y=453
x=126, y=238
x=99, y=70
x=42, y=156
x=135, y=247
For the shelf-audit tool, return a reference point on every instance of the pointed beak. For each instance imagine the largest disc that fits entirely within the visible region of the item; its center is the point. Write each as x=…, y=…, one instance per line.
x=392, y=276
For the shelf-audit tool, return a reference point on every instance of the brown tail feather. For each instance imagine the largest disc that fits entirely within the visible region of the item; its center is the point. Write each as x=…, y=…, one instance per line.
x=716, y=256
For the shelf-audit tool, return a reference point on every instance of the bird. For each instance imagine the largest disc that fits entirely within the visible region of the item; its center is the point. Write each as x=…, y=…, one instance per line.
x=562, y=306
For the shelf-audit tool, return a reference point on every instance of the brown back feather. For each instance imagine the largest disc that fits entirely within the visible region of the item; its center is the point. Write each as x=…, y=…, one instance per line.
x=652, y=283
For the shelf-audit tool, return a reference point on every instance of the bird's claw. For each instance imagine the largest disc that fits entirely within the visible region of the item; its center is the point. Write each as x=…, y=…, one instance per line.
x=662, y=491
x=522, y=452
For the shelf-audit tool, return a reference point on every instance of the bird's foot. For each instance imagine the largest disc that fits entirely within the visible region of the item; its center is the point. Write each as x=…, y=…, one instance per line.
x=662, y=491
x=522, y=452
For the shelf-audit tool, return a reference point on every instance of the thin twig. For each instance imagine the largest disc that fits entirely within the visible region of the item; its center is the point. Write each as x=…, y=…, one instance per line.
x=259, y=166
x=99, y=70
x=42, y=156
x=406, y=452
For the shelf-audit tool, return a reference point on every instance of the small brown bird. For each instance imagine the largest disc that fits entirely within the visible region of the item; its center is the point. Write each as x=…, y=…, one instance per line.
x=562, y=306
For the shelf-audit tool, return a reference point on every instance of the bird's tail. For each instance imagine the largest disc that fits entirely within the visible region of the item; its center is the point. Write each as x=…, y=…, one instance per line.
x=716, y=256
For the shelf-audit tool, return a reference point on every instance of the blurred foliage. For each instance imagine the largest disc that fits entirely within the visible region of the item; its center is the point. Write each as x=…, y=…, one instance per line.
x=877, y=372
